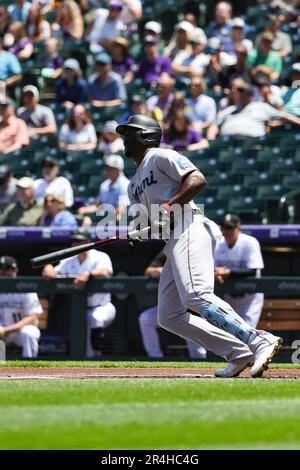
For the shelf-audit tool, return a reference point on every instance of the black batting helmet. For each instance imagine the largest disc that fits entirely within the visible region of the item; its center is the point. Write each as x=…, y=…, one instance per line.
x=148, y=131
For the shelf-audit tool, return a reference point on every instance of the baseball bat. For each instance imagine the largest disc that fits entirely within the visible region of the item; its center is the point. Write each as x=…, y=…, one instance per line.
x=55, y=256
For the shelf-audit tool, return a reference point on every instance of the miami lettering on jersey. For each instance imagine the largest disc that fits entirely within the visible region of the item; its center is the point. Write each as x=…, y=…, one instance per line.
x=147, y=181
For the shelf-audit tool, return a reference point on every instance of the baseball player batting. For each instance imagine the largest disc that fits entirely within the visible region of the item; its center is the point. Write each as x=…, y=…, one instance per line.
x=165, y=177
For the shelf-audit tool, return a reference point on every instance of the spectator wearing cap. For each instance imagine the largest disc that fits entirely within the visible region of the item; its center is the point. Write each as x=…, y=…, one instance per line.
x=14, y=132
x=202, y=109
x=282, y=43
x=25, y=211
x=19, y=10
x=238, y=256
x=250, y=118
x=218, y=63
x=100, y=311
x=122, y=63
x=238, y=37
x=113, y=190
x=78, y=133
x=55, y=213
x=69, y=21
x=106, y=24
x=221, y=26
x=39, y=118
x=10, y=68
x=180, y=41
x=105, y=87
x=70, y=87
x=151, y=28
x=8, y=187
x=52, y=182
x=195, y=63
x=241, y=68
x=233, y=95
x=153, y=64
x=263, y=55
x=163, y=99
x=291, y=95
x=19, y=313
x=110, y=141
x=264, y=89
x=136, y=106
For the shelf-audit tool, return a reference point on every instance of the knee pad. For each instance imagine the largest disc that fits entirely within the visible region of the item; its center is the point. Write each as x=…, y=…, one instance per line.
x=97, y=338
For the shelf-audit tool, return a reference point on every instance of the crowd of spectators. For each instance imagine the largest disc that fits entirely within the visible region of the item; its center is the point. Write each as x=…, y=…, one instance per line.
x=199, y=83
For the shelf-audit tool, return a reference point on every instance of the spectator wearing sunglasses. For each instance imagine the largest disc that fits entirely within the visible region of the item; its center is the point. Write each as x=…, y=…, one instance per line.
x=55, y=213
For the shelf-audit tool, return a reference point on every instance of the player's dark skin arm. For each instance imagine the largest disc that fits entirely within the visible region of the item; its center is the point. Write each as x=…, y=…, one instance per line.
x=192, y=184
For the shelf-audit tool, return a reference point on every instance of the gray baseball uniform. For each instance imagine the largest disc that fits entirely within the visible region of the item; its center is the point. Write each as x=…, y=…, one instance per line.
x=187, y=280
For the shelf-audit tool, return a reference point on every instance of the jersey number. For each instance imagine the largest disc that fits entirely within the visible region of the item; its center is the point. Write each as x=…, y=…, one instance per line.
x=17, y=317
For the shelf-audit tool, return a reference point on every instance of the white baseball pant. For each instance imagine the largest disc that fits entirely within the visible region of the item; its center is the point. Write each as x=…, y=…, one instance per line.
x=148, y=326
x=187, y=282
x=98, y=317
x=27, y=338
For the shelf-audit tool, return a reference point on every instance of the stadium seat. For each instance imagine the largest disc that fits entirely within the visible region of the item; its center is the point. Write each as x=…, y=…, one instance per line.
x=291, y=181
x=215, y=214
x=228, y=191
x=221, y=178
x=230, y=154
x=273, y=191
x=259, y=179
x=207, y=166
x=284, y=166
x=246, y=167
x=244, y=202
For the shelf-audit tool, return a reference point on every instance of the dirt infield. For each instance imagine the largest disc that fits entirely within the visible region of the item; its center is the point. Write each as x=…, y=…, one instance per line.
x=63, y=373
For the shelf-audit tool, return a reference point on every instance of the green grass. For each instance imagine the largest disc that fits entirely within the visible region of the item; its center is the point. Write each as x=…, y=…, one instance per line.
x=150, y=414
x=129, y=364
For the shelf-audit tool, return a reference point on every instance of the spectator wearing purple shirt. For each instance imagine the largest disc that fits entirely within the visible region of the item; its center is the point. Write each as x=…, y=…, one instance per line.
x=181, y=136
x=22, y=46
x=154, y=64
x=122, y=63
x=49, y=59
x=164, y=97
